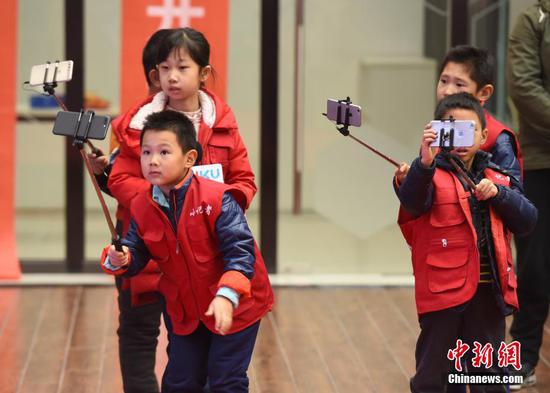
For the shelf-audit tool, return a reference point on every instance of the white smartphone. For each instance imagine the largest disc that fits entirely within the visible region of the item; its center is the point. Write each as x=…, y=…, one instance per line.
x=462, y=133
x=58, y=71
x=336, y=110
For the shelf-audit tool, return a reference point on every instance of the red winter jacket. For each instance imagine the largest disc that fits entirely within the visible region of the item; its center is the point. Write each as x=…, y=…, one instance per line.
x=191, y=261
x=221, y=142
x=444, y=249
x=495, y=129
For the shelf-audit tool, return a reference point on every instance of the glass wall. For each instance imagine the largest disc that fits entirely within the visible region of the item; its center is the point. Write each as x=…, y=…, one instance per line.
x=371, y=51
x=383, y=54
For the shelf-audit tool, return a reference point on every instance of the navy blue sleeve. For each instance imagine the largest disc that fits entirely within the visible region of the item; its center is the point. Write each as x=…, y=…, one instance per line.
x=416, y=192
x=517, y=212
x=505, y=156
x=138, y=250
x=235, y=237
x=103, y=178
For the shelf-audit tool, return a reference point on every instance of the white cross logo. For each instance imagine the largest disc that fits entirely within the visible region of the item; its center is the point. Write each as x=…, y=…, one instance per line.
x=168, y=12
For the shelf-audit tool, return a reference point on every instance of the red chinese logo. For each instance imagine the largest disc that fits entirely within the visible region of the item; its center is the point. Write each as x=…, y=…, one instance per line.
x=457, y=353
x=483, y=355
x=509, y=355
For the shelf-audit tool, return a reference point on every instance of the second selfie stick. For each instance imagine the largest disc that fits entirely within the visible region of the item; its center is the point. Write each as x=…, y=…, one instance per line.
x=345, y=131
x=49, y=87
x=79, y=141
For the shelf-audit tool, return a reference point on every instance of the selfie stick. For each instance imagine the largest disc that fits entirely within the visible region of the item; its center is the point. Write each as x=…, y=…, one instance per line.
x=79, y=143
x=345, y=131
x=50, y=89
x=451, y=158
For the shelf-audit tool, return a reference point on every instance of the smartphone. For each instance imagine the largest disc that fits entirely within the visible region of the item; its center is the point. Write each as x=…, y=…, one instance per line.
x=336, y=111
x=462, y=135
x=58, y=71
x=66, y=123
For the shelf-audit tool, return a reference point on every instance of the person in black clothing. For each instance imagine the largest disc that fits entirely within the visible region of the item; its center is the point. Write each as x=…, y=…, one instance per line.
x=138, y=323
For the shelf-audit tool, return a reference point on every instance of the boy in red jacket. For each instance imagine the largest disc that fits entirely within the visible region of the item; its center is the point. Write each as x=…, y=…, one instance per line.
x=467, y=69
x=460, y=241
x=214, y=283
x=177, y=67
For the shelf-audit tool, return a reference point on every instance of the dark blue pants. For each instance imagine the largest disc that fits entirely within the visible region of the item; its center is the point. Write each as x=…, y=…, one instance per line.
x=480, y=320
x=224, y=360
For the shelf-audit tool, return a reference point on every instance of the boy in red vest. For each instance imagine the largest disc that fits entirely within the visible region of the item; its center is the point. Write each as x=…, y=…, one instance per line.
x=467, y=69
x=460, y=242
x=214, y=282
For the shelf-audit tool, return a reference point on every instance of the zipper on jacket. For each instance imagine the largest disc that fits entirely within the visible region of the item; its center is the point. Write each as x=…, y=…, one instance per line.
x=167, y=219
x=174, y=215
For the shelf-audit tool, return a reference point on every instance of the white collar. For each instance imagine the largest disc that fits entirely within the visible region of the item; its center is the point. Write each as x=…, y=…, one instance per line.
x=159, y=103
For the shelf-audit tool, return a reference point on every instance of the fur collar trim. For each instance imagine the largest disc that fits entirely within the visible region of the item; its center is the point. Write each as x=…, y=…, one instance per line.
x=158, y=103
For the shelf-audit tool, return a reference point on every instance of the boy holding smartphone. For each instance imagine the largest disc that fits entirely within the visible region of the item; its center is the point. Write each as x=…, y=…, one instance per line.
x=470, y=70
x=460, y=241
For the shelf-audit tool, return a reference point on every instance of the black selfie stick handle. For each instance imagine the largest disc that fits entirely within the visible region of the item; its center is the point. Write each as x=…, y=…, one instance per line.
x=95, y=150
x=451, y=158
x=117, y=243
x=461, y=172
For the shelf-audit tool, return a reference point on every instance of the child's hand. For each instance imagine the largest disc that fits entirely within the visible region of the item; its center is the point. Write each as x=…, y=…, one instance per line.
x=401, y=172
x=117, y=258
x=222, y=310
x=428, y=153
x=486, y=189
x=98, y=164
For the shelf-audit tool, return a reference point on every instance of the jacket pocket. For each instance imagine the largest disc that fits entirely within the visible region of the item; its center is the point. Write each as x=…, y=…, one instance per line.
x=446, y=210
x=219, y=148
x=447, y=265
x=174, y=306
x=205, y=250
x=157, y=245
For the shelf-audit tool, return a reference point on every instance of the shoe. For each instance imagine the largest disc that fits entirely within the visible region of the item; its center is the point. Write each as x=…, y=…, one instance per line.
x=527, y=372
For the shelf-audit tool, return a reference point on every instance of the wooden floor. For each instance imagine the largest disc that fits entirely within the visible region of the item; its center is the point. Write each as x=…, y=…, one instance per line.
x=63, y=339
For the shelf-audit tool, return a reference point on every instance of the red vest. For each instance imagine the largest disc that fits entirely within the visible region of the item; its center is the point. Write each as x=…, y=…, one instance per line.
x=495, y=128
x=191, y=262
x=443, y=242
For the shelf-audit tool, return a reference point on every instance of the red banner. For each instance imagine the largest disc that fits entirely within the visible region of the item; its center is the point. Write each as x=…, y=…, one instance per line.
x=9, y=263
x=141, y=18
